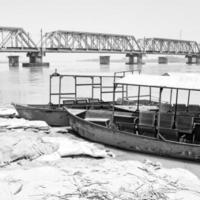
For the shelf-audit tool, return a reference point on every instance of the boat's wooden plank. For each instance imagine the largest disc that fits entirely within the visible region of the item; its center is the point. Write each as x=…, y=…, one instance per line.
x=97, y=119
x=76, y=111
x=134, y=108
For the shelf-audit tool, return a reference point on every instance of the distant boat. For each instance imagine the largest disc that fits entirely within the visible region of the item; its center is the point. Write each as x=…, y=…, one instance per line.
x=173, y=131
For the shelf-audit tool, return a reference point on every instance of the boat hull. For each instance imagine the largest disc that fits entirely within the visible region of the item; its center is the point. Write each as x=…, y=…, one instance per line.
x=131, y=141
x=54, y=116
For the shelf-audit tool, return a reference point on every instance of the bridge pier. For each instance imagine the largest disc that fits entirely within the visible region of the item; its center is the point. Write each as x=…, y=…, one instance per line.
x=134, y=59
x=162, y=60
x=104, y=60
x=193, y=59
x=13, y=61
x=198, y=60
x=35, y=60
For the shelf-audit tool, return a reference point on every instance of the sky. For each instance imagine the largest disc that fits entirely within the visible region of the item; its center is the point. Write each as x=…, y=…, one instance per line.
x=142, y=18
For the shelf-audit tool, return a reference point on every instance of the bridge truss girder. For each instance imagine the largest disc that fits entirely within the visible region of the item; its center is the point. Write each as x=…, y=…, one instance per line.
x=16, y=40
x=68, y=41
x=169, y=46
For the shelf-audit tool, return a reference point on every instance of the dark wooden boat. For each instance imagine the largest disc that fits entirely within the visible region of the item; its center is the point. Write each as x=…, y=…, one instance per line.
x=171, y=130
x=97, y=130
x=55, y=115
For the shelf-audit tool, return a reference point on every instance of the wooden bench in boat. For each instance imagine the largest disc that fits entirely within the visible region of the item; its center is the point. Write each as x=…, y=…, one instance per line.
x=179, y=107
x=194, y=109
x=147, y=123
x=101, y=117
x=91, y=100
x=100, y=121
x=95, y=103
x=125, y=121
x=69, y=102
x=165, y=107
x=167, y=129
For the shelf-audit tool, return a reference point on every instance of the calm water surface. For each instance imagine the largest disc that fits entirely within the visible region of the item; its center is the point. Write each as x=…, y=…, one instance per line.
x=31, y=85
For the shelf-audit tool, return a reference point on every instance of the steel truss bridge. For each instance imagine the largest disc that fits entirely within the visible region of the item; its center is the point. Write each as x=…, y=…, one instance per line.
x=83, y=42
x=13, y=39
x=16, y=40
x=168, y=46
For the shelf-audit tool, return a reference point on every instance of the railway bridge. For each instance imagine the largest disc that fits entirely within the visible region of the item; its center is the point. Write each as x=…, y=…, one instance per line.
x=14, y=39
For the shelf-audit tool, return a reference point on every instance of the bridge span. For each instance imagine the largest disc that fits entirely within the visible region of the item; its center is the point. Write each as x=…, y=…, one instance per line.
x=13, y=39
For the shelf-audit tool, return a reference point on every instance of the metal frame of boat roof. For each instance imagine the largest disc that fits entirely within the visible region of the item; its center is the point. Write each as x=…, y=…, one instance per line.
x=167, y=77
x=93, y=84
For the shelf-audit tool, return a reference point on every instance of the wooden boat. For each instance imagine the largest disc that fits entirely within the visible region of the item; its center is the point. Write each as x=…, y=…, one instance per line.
x=172, y=133
x=54, y=114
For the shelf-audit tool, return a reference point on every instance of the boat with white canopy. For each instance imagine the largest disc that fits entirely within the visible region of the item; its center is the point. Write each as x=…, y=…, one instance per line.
x=169, y=128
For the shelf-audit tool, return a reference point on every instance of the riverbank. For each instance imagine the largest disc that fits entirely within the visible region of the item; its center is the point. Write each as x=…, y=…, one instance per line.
x=41, y=162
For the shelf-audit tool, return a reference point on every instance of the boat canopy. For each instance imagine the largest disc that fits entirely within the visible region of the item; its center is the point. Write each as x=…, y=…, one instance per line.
x=185, y=82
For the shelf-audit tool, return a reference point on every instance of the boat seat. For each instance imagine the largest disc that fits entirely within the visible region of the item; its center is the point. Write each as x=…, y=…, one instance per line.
x=126, y=126
x=185, y=124
x=100, y=121
x=147, y=123
x=193, y=108
x=165, y=107
x=99, y=114
x=123, y=116
x=91, y=100
x=125, y=121
x=94, y=103
x=166, y=128
x=179, y=107
x=69, y=102
x=81, y=101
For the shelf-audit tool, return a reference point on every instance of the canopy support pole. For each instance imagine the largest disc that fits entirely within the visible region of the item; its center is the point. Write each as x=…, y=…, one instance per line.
x=171, y=96
x=50, y=88
x=113, y=108
x=149, y=94
x=159, y=111
x=188, y=101
x=75, y=80
x=138, y=102
x=59, y=96
x=176, y=106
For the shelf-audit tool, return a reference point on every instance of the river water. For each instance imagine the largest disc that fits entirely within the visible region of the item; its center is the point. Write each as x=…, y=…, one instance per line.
x=31, y=85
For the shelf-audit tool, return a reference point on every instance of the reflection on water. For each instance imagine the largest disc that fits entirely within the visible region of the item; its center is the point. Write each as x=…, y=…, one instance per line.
x=31, y=85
